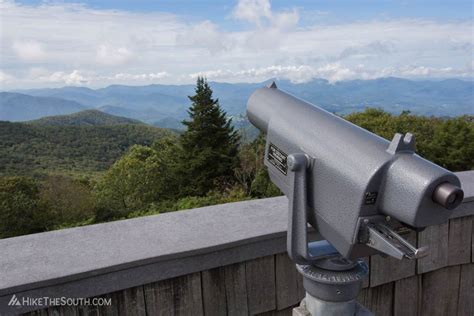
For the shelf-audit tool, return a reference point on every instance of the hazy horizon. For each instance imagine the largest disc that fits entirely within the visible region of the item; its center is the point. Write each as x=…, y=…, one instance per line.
x=263, y=82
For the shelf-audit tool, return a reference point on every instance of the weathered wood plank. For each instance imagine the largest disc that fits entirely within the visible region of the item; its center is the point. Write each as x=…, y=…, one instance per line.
x=131, y=301
x=113, y=308
x=460, y=235
x=436, y=239
x=40, y=312
x=300, y=287
x=388, y=269
x=236, y=289
x=440, y=292
x=406, y=297
x=213, y=292
x=105, y=310
x=74, y=311
x=177, y=296
x=380, y=299
x=87, y=311
x=260, y=277
x=287, y=293
x=69, y=311
x=362, y=298
x=466, y=290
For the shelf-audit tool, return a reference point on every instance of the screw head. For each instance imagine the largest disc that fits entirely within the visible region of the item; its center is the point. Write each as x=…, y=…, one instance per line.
x=290, y=161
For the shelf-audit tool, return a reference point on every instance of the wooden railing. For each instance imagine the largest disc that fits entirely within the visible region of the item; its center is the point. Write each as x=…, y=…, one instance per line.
x=223, y=260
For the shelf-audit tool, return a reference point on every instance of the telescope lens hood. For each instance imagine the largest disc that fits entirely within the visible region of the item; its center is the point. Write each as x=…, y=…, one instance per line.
x=448, y=195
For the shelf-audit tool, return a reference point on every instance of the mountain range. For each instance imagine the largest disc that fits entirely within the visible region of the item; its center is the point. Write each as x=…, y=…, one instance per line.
x=22, y=107
x=166, y=105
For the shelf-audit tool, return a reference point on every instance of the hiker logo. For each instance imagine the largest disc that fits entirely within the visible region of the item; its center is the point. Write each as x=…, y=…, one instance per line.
x=14, y=301
x=59, y=301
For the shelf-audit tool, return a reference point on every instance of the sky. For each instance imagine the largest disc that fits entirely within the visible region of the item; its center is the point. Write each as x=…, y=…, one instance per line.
x=102, y=42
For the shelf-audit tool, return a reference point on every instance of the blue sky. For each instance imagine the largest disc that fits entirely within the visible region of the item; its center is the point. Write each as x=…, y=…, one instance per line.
x=96, y=43
x=348, y=10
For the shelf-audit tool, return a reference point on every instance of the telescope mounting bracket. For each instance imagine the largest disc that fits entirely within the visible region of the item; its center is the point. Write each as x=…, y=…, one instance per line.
x=299, y=250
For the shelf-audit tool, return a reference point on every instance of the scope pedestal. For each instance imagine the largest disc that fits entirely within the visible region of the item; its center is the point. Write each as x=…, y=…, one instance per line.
x=332, y=282
x=332, y=285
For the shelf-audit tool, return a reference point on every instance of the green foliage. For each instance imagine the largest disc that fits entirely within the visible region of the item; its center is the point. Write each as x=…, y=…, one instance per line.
x=448, y=142
x=234, y=194
x=452, y=145
x=35, y=149
x=68, y=200
x=262, y=186
x=169, y=151
x=251, y=172
x=250, y=162
x=212, y=198
x=132, y=183
x=209, y=145
x=20, y=209
x=142, y=179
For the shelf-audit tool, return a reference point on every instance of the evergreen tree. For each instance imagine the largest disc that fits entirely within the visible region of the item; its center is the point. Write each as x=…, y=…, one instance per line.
x=209, y=146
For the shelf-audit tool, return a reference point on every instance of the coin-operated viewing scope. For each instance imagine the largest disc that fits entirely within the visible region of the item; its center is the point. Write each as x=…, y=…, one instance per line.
x=358, y=190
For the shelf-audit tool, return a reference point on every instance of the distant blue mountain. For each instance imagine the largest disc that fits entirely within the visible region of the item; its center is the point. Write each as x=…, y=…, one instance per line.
x=168, y=103
x=21, y=107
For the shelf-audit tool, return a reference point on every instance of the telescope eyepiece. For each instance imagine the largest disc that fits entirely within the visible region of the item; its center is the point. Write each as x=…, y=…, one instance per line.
x=448, y=195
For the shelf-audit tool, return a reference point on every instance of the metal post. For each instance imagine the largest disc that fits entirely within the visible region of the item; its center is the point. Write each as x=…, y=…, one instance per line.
x=332, y=286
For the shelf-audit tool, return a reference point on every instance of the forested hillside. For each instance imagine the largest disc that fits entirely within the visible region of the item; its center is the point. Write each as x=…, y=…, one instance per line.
x=87, y=117
x=27, y=149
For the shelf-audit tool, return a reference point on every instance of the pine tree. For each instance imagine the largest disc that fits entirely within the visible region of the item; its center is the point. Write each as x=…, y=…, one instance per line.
x=209, y=146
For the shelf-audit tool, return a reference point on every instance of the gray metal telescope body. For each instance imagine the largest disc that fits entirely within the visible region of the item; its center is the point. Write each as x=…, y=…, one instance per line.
x=352, y=173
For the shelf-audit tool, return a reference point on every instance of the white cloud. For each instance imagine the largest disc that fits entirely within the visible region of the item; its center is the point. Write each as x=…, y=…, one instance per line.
x=5, y=78
x=422, y=71
x=271, y=27
x=111, y=56
x=375, y=48
x=138, y=77
x=332, y=72
x=61, y=43
x=205, y=35
x=253, y=11
x=259, y=12
x=285, y=20
x=29, y=50
x=73, y=78
x=79, y=77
